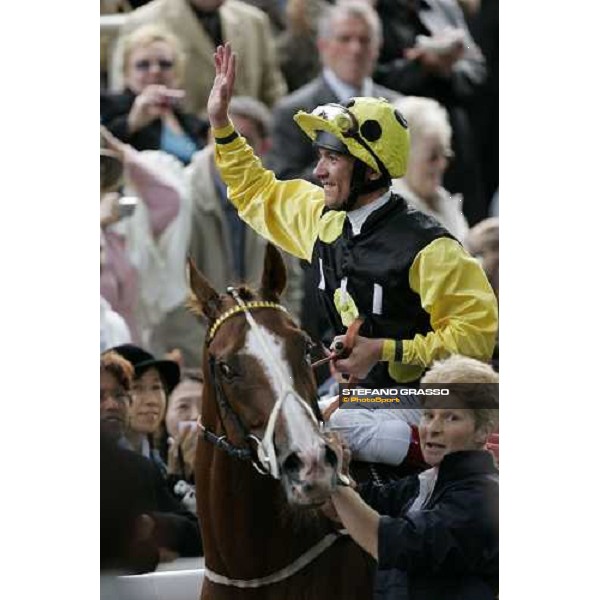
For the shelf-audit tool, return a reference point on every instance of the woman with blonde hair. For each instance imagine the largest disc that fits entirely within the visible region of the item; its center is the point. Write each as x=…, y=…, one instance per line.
x=430, y=152
x=146, y=114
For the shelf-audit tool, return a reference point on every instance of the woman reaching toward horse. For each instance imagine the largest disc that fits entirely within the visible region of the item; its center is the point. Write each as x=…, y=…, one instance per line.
x=435, y=535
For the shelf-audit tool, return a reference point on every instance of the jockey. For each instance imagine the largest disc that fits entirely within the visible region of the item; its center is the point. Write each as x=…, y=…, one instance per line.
x=419, y=294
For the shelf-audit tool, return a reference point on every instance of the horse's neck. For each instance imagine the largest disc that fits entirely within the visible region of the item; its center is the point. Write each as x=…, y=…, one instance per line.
x=252, y=531
x=248, y=529
x=249, y=532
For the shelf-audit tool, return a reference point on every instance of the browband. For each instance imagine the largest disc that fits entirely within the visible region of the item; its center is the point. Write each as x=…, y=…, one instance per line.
x=237, y=309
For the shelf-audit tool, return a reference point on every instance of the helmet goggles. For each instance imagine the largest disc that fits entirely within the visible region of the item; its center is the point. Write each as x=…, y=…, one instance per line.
x=340, y=116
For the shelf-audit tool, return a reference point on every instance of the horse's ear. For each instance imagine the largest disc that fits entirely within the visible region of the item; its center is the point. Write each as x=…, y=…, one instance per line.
x=205, y=299
x=274, y=275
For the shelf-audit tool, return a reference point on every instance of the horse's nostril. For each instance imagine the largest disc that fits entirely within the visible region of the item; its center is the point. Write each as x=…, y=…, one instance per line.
x=308, y=487
x=330, y=457
x=292, y=463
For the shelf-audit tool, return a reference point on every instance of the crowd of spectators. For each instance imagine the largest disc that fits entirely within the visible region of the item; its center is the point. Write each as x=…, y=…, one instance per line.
x=142, y=520
x=162, y=199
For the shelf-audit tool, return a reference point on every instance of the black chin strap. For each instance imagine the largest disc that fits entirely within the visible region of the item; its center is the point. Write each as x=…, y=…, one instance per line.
x=359, y=186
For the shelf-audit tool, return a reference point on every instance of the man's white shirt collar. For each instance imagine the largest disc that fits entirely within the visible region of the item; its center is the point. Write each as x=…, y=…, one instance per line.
x=359, y=216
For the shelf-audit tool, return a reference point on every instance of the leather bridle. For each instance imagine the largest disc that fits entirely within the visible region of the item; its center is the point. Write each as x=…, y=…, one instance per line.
x=262, y=457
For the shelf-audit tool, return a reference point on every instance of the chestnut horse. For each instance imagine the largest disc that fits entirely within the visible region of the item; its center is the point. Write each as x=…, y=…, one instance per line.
x=262, y=465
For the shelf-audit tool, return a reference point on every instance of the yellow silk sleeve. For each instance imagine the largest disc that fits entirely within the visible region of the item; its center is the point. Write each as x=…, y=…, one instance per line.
x=462, y=306
x=286, y=213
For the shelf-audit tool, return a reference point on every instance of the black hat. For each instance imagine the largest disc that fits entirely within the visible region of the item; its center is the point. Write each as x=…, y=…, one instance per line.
x=142, y=361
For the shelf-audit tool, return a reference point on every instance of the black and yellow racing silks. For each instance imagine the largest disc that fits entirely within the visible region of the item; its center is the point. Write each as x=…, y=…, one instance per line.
x=404, y=273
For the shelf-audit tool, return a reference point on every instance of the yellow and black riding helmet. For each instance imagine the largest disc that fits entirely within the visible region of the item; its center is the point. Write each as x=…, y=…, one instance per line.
x=371, y=130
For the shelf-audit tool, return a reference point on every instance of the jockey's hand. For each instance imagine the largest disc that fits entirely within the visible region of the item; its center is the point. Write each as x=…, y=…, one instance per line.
x=363, y=357
x=222, y=89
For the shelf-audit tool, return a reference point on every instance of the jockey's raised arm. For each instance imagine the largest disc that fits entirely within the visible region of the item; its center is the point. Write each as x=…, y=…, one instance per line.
x=222, y=89
x=420, y=295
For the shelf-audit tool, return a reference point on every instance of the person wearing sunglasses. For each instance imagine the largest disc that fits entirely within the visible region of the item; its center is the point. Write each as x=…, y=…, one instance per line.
x=430, y=155
x=147, y=115
x=420, y=295
x=200, y=26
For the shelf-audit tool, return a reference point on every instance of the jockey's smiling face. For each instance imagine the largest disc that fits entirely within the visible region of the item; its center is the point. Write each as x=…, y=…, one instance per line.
x=334, y=171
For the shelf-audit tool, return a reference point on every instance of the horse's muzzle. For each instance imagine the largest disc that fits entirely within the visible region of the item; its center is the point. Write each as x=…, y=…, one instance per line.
x=309, y=477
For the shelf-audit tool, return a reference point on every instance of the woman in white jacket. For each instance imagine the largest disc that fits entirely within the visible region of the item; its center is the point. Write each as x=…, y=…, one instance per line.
x=143, y=271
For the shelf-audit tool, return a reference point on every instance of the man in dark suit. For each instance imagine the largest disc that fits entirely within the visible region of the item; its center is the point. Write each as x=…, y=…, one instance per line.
x=349, y=39
x=428, y=51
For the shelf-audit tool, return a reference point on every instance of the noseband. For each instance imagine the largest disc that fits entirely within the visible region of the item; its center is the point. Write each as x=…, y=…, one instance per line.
x=265, y=459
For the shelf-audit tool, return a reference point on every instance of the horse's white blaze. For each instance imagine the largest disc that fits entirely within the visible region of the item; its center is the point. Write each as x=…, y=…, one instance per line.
x=300, y=429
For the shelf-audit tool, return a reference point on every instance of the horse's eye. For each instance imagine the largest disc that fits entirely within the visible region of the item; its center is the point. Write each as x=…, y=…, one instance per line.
x=226, y=370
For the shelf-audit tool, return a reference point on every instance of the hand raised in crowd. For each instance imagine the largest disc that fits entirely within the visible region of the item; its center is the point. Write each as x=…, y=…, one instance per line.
x=113, y=143
x=222, y=89
x=437, y=61
x=184, y=446
x=153, y=102
x=109, y=209
x=362, y=358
